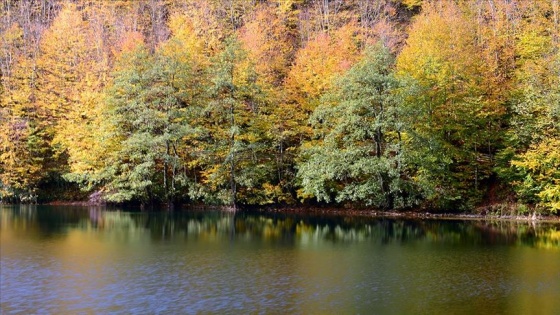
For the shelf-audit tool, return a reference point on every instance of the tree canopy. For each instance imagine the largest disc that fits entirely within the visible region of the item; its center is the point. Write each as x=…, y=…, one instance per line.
x=389, y=104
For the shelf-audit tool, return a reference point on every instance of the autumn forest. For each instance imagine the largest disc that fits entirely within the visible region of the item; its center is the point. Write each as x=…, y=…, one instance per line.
x=385, y=104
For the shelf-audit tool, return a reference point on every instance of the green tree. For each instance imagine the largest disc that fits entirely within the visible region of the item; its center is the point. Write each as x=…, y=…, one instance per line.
x=150, y=106
x=359, y=154
x=316, y=66
x=239, y=166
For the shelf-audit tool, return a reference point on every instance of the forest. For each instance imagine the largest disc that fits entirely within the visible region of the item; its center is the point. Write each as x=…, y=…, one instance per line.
x=385, y=104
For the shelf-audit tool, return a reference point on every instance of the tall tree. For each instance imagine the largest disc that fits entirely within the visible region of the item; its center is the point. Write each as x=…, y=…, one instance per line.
x=315, y=68
x=455, y=118
x=239, y=159
x=359, y=155
x=24, y=146
x=530, y=160
x=150, y=106
x=270, y=39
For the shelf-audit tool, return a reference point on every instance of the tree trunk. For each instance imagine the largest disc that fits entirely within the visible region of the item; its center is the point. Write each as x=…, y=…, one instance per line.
x=232, y=159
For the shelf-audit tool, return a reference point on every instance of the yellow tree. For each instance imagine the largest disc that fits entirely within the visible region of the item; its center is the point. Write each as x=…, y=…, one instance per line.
x=455, y=115
x=22, y=146
x=62, y=68
x=203, y=19
x=531, y=161
x=539, y=168
x=70, y=73
x=319, y=62
x=270, y=41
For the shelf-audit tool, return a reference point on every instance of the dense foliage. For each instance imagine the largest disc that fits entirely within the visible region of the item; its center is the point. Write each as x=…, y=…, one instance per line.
x=384, y=103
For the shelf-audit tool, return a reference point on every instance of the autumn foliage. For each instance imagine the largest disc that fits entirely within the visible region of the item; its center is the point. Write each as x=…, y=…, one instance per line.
x=386, y=103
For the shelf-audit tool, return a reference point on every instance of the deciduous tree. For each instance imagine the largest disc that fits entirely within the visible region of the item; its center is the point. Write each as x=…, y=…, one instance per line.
x=359, y=155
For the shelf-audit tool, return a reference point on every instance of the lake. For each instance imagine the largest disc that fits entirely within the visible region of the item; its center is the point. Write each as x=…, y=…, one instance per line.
x=77, y=260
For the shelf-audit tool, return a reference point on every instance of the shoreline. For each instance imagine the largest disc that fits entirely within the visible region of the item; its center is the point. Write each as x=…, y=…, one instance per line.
x=412, y=214
x=422, y=215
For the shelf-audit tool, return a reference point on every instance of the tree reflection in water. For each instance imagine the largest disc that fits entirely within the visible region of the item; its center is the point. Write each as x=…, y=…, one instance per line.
x=41, y=221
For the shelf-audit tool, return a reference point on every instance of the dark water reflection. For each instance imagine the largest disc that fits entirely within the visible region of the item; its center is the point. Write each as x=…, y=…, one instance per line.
x=78, y=260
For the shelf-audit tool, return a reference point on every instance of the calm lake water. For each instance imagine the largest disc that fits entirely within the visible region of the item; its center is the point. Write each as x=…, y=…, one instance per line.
x=63, y=260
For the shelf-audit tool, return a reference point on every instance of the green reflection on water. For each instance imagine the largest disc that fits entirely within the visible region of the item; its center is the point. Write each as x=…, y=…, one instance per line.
x=45, y=222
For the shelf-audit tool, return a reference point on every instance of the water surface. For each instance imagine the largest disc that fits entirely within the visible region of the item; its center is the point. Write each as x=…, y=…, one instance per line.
x=64, y=260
